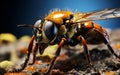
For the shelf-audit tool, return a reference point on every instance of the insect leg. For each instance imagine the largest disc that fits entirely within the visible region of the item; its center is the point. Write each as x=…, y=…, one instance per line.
x=86, y=51
x=57, y=53
x=112, y=51
x=107, y=43
x=34, y=53
x=41, y=50
x=28, y=56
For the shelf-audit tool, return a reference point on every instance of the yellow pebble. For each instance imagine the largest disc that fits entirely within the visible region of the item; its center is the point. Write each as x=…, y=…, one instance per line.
x=6, y=64
x=25, y=38
x=8, y=37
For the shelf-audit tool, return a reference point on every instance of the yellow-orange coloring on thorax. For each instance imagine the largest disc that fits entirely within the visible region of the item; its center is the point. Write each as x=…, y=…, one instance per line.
x=58, y=16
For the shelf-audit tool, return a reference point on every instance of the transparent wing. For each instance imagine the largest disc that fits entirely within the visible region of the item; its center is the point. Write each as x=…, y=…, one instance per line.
x=97, y=15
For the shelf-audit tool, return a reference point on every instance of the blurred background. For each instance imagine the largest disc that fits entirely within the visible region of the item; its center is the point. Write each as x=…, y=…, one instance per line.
x=14, y=12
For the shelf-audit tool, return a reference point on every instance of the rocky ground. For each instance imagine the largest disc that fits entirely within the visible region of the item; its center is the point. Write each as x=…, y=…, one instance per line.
x=72, y=60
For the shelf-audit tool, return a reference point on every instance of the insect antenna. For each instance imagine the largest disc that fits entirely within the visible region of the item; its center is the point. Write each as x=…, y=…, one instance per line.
x=29, y=26
x=25, y=25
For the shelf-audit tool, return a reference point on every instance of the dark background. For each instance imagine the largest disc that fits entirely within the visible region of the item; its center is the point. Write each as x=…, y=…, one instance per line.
x=14, y=12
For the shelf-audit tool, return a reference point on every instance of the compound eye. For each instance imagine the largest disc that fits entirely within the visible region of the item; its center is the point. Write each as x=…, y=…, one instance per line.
x=37, y=23
x=50, y=30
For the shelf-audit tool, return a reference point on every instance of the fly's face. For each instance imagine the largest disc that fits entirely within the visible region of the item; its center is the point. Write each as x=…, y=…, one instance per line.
x=45, y=31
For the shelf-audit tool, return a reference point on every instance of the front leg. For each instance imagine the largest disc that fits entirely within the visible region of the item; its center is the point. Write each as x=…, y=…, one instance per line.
x=28, y=56
x=57, y=53
x=34, y=53
x=41, y=49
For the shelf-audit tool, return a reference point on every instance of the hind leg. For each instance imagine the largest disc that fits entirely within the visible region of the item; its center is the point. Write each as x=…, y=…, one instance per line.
x=106, y=41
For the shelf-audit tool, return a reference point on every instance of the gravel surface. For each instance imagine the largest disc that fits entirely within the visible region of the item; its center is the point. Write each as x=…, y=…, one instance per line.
x=72, y=60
